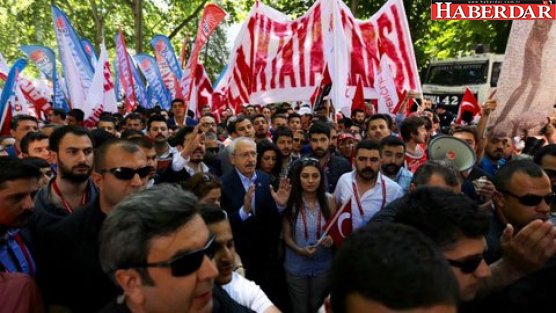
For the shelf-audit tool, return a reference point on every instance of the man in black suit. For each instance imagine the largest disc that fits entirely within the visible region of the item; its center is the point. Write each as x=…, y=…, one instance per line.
x=69, y=248
x=255, y=217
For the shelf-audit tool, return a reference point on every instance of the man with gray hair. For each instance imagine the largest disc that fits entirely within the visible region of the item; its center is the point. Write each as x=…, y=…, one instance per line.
x=156, y=247
x=254, y=217
x=69, y=248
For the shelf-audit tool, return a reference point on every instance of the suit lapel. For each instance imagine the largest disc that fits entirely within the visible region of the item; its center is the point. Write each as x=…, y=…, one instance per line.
x=238, y=193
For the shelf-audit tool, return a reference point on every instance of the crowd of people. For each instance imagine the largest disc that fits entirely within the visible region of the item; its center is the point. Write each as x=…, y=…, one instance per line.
x=159, y=211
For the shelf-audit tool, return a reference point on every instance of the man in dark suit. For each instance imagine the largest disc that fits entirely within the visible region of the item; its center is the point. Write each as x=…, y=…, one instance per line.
x=254, y=217
x=68, y=249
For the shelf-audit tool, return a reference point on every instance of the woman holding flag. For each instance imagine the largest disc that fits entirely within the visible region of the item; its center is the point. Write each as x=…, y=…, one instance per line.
x=308, y=251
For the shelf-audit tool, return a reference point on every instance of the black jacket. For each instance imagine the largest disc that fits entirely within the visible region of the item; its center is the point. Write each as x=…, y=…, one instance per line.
x=69, y=260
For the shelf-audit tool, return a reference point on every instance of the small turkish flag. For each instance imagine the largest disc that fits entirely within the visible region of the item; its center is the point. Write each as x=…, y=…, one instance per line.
x=340, y=226
x=468, y=104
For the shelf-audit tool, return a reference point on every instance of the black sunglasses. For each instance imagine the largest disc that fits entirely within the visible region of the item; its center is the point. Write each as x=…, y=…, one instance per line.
x=187, y=263
x=531, y=200
x=469, y=265
x=126, y=173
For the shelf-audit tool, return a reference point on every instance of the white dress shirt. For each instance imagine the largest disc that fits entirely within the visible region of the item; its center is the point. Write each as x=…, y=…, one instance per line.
x=371, y=200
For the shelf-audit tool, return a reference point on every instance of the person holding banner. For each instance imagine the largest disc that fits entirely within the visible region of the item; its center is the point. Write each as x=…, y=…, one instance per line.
x=308, y=254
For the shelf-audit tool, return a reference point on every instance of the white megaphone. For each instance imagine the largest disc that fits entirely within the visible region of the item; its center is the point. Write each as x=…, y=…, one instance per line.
x=452, y=150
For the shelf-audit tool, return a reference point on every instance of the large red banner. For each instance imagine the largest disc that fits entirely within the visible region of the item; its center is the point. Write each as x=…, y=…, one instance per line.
x=277, y=59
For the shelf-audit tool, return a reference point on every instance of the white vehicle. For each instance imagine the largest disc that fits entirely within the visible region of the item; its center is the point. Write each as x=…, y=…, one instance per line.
x=445, y=81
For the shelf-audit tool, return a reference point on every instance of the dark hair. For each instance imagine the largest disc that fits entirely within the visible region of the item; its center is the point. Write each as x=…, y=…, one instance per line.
x=410, y=126
x=424, y=173
x=179, y=137
x=467, y=129
x=277, y=115
x=127, y=232
x=101, y=153
x=320, y=128
x=265, y=146
x=176, y=100
x=368, y=144
x=212, y=214
x=392, y=141
x=19, y=118
x=156, y=118
x=506, y=172
x=394, y=265
x=544, y=151
x=36, y=162
x=353, y=112
x=294, y=115
x=59, y=112
x=231, y=127
x=379, y=116
x=131, y=133
x=78, y=114
x=295, y=201
x=201, y=183
x=59, y=133
x=282, y=131
x=31, y=137
x=133, y=116
x=108, y=119
x=143, y=142
x=14, y=169
x=443, y=216
x=100, y=136
x=259, y=115
x=428, y=122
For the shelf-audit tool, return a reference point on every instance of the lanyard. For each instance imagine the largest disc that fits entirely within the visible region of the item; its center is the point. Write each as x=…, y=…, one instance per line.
x=304, y=219
x=358, y=201
x=19, y=255
x=66, y=204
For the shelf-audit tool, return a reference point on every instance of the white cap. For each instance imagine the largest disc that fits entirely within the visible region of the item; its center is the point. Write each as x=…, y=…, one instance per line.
x=305, y=110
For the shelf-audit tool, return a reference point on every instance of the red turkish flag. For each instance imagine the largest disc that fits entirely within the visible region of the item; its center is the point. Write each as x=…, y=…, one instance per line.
x=212, y=16
x=318, y=93
x=468, y=104
x=358, y=101
x=340, y=226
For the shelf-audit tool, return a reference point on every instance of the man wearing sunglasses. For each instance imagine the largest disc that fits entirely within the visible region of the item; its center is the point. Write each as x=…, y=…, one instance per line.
x=522, y=207
x=157, y=249
x=69, y=248
x=460, y=228
x=457, y=226
x=362, y=274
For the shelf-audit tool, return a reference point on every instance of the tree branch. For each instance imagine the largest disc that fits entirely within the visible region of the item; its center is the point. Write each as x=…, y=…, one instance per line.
x=187, y=19
x=94, y=9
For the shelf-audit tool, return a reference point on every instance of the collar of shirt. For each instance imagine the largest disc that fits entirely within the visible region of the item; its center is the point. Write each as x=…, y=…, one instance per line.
x=171, y=150
x=246, y=181
x=194, y=168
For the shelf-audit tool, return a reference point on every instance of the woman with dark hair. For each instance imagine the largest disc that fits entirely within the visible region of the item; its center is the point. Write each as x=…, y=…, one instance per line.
x=308, y=254
x=206, y=187
x=269, y=160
